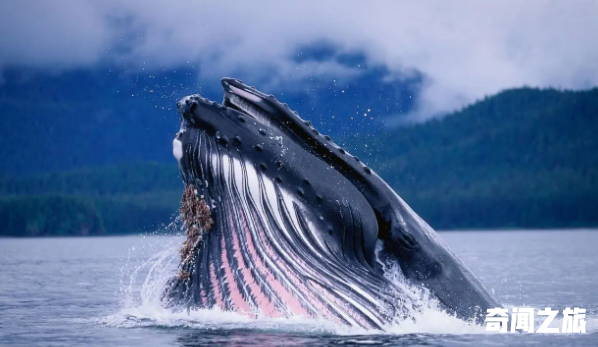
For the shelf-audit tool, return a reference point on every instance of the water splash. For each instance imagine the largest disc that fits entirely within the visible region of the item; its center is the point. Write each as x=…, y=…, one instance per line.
x=430, y=318
x=155, y=260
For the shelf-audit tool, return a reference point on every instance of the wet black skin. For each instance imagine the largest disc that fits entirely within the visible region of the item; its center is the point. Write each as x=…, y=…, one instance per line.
x=423, y=258
x=208, y=128
x=291, y=168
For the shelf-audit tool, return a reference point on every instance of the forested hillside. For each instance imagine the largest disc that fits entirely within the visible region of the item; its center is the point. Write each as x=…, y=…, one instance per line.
x=96, y=117
x=136, y=197
x=523, y=158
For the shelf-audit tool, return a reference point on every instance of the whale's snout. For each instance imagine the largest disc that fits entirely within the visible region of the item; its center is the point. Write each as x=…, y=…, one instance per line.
x=193, y=107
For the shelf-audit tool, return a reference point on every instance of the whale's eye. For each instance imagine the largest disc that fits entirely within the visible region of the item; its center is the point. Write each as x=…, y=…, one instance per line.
x=407, y=241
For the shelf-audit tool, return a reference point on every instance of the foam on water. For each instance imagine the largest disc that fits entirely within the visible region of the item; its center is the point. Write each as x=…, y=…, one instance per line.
x=155, y=260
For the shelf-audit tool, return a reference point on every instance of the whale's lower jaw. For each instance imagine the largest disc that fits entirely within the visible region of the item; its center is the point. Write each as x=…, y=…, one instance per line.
x=262, y=257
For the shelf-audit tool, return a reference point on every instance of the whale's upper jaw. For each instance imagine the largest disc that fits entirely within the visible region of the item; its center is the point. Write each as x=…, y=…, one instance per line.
x=248, y=100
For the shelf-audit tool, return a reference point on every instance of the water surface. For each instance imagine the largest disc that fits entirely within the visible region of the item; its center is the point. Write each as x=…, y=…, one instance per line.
x=105, y=292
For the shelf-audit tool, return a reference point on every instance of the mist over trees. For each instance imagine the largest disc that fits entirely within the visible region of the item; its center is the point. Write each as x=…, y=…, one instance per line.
x=523, y=158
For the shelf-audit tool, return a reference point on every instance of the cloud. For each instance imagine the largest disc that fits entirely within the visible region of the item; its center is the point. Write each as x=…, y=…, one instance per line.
x=465, y=49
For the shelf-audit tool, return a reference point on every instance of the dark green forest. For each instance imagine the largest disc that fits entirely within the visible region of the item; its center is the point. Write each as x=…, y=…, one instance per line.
x=522, y=158
x=138, y=197
x=525, y=158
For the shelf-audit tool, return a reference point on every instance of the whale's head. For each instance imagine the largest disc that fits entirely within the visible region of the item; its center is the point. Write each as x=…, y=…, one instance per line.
x=298, y=226
x=287, y=234
x=425, y=260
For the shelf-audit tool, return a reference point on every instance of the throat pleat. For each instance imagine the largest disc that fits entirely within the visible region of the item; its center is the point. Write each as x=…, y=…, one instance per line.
x=265, y=255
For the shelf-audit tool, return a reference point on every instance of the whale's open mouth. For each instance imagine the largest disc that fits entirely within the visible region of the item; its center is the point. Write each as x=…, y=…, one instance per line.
x=281, y=221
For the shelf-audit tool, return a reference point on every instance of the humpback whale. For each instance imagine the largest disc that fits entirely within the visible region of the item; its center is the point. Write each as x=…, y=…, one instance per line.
x=281, y=221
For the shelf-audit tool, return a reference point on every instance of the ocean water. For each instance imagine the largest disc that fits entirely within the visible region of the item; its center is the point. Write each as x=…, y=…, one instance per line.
x=105, y=292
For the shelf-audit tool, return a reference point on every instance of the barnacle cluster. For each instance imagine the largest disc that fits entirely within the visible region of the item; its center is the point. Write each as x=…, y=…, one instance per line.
x=197, y=220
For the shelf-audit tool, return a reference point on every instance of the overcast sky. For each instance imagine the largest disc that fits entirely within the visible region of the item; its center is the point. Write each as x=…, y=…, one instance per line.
x=465, y=49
